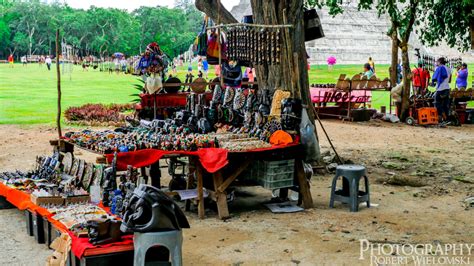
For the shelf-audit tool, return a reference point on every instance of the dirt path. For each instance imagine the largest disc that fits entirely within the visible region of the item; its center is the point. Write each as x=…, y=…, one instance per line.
x=433, y=212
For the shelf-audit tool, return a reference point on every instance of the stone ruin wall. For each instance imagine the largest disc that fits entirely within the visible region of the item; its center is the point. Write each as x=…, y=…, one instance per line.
x=354, y=36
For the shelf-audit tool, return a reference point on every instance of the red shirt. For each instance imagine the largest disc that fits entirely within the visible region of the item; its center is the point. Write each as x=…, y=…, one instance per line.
x=420, y=77
x=10, y=58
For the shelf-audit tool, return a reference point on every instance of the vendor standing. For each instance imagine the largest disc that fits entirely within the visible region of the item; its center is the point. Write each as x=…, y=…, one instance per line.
x=442, y=78
x=421, y=78
x=461, y=80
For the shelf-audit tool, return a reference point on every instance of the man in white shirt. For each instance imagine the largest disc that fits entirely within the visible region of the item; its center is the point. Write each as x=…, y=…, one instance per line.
x=48, y=62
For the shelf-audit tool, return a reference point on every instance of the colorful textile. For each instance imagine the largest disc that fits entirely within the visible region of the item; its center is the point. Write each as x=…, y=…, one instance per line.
x=212, y=159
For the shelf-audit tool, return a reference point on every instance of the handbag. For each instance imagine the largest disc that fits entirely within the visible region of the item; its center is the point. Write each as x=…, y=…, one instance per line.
x=213, y=49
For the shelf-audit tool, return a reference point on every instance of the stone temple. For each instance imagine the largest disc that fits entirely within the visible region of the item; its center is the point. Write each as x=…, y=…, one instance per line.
x=354, y=36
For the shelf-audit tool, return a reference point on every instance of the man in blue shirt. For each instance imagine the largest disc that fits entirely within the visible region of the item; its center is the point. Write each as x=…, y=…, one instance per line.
x=442, y=78
x=461, y=80
x=205, y=67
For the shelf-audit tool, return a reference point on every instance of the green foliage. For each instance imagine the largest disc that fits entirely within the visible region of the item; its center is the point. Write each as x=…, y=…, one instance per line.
x=29, y=27
x=435, y=20
x=448, y=21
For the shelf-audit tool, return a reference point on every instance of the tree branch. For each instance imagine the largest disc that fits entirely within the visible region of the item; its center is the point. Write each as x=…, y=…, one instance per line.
x=411, y=21
x=209, y=7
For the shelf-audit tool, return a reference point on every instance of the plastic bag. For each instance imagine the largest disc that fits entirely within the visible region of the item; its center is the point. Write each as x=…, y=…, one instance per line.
x=153, y=84
x=308, y=139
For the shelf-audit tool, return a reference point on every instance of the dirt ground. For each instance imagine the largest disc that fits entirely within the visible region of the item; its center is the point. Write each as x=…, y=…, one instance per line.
x=419, y=178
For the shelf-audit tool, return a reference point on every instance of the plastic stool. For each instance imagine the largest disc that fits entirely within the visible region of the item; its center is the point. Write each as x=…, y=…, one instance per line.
x=350, y=193
x=172, y=240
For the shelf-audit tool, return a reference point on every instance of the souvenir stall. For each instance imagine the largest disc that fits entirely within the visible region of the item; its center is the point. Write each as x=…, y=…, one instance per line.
x=81, y=228
x=221, y=136
x=348, y=98
x=232, y=136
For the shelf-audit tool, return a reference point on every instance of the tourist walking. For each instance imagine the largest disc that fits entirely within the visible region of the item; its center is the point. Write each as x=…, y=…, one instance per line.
x=48, y=62
x=372, y=64
x=11, y=60
x=23, y=60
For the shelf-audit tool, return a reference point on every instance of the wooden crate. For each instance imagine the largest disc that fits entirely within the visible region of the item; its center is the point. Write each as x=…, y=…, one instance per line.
x=77, y=199
x=56, y=200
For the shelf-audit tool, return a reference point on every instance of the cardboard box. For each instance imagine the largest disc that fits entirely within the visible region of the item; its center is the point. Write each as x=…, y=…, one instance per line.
x=77, y=199
x=56, y=200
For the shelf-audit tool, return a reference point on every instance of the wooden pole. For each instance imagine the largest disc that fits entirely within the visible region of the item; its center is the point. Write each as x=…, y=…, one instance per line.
x=58, y=71
x=221, y=78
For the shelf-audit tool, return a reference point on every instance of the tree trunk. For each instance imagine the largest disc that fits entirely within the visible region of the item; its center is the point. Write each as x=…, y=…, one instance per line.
x=406, y=82
x=284, y=75
x=394, y=63
x=292, y=73
x=209, y=7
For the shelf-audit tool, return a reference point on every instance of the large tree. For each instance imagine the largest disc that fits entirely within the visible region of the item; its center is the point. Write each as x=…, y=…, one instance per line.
x=291, y=74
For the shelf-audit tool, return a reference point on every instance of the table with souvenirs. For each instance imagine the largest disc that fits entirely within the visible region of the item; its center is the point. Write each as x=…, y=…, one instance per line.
x=228, y=134
x=221, y=153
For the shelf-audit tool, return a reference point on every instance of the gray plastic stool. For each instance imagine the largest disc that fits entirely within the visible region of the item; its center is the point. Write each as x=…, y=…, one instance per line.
x=172, y=240
x=350, y=193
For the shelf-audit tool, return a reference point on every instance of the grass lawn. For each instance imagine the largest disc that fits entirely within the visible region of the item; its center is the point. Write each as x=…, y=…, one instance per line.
x=28, y=94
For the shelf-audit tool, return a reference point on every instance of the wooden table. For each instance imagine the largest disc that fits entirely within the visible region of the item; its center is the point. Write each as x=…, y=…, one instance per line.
x=222, y=180
x=241, y=160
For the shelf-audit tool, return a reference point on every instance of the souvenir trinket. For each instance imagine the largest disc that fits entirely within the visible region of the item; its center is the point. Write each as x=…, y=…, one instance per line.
x=103, y=231
x=98, y=174
x=88, y=174
x=239, y=99
x=229, y=96
x=75, y=167
x=291, y=114
x=157, y=216
x=67, y=162
x=80, y=171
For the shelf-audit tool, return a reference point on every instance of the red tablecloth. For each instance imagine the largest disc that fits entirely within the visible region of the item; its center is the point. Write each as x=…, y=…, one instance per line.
x=79, y=246
x=212, y=159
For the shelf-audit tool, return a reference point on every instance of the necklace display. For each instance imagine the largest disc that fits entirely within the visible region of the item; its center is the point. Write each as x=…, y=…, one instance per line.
x=251, y=46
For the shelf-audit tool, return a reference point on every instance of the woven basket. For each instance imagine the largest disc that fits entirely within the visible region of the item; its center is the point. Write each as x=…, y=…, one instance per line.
x=199, y=85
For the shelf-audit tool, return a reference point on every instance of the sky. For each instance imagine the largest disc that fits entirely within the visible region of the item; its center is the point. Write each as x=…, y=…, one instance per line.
x=130, y=5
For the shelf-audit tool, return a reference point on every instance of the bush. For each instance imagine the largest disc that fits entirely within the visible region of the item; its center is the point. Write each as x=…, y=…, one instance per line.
x=96, y=114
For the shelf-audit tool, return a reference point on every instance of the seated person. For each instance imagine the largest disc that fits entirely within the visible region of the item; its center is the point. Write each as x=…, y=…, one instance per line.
x=368, y=71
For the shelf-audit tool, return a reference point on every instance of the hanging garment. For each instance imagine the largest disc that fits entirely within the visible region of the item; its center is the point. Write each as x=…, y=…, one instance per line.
x=232, y=75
